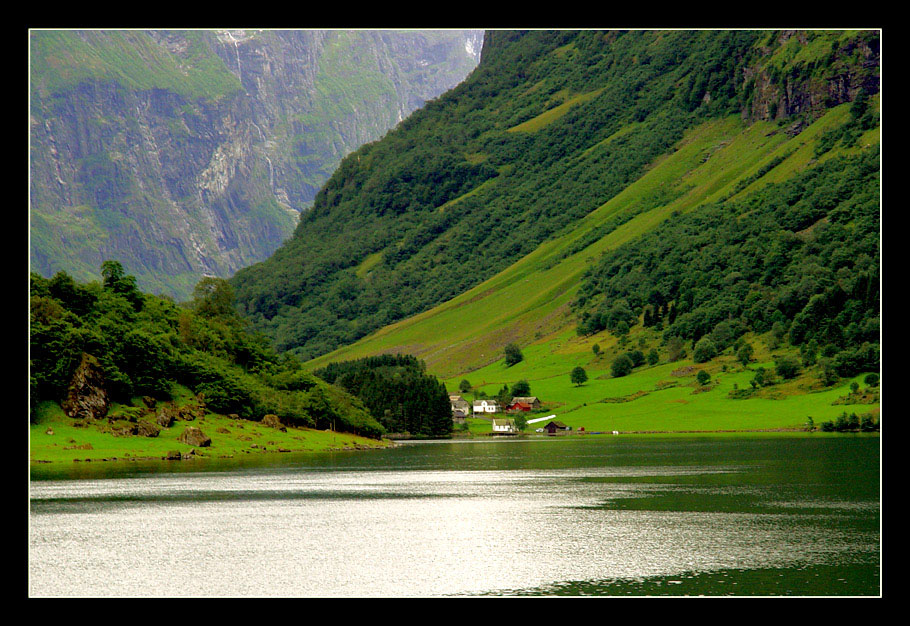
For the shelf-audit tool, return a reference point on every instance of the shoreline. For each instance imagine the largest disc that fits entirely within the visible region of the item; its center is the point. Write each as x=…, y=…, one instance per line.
x=262, y=456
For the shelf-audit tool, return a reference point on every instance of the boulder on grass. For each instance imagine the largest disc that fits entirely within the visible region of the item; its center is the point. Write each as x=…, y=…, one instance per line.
x=165, y=416
x=194, y=437
x=272, y=421
x=147, y=429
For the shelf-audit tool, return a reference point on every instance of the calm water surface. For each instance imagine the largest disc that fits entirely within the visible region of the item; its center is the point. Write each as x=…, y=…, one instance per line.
x=597, y=516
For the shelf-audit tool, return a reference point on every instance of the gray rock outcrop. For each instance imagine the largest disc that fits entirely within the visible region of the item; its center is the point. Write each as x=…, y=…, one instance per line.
x=86, y=397
x=195, y=437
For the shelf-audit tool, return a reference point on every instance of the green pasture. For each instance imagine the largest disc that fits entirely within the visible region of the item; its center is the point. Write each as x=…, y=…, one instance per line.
x=653, y=398
x=69, y=443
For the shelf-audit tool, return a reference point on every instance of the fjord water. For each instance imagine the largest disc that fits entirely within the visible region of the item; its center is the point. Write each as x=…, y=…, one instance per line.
x=712, y=515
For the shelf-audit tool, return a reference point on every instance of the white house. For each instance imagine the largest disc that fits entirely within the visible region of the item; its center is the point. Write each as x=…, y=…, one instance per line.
x=486, y=406
x=504, y=426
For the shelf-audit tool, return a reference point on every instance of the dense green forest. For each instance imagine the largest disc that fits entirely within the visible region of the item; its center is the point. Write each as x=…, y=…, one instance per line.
x=144, y=344
x=398, y=392
x=800, y=258
x=550, y=126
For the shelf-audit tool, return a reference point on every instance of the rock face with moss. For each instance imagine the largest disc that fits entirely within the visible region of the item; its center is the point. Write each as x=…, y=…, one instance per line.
x=86, y=397
x=191, y=153
x=802, y=73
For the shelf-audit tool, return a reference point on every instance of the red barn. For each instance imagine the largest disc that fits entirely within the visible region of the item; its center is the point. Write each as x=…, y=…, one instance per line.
x=518, y=406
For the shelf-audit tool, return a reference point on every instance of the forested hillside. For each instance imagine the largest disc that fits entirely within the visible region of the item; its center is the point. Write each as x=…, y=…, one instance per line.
x=799, y=257
x=102, y=344
x=548, y=129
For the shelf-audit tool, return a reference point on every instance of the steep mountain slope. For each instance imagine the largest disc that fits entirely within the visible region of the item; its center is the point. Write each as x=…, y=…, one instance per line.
x=191, y=153
x=552, y=132
x=535, y=300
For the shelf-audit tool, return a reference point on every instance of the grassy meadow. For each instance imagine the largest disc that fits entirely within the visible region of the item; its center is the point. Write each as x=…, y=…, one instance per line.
x=665, y=397
x=55, y=438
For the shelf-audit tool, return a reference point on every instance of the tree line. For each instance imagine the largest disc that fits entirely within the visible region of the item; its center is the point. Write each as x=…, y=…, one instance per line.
x=398, y=392
x=145, y=344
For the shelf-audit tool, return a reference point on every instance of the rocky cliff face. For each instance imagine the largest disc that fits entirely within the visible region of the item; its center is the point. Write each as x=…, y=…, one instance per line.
x=183, y=154
x=802, y=73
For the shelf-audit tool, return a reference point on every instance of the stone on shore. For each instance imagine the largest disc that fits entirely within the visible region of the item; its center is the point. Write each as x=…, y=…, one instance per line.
x=195, y=437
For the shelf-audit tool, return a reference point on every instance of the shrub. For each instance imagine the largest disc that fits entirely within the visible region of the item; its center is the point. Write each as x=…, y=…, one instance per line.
x=705, y=350
x=676, y=349
x=637, y=357
x=513, y=354
x=622, y=366
x=653, y=357
x=786, y=367
x=521, y=388
x=760, y=379
x=744, y=354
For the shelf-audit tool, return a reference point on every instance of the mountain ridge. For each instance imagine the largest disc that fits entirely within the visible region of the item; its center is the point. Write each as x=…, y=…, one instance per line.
x=191, y=153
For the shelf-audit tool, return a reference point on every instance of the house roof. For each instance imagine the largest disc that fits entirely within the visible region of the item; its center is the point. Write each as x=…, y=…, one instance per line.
x=503, y=422
x=460, y=404
x=488, y=401
x=556, y=424
x=526, y=400
x=455, y=398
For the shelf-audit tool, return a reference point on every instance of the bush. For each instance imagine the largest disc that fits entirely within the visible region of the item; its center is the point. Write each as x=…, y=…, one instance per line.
x=787, y=367
x=653, y=357
x=703, y=377
x=871, y=380
x=637, y=357
x=744, y=354
x=705, y=350
x=521, y=389
x=513, y=354
x=760, y=379
x=622, y=366
x=676, y=349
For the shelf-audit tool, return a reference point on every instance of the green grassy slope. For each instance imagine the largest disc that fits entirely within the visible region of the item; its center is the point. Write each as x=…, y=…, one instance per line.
x=54, y=439
x=528, y=303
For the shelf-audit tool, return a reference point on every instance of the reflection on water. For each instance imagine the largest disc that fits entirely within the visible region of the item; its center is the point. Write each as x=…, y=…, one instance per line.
x=782, y=516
